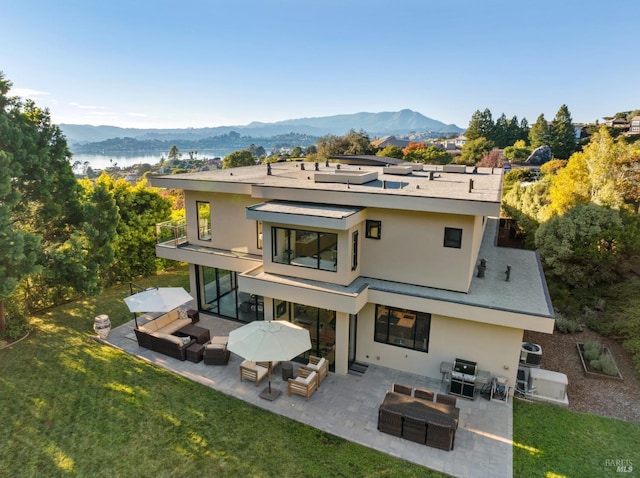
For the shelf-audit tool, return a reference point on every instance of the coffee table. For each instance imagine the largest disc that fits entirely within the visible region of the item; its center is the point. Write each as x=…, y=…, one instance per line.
x=199, y=333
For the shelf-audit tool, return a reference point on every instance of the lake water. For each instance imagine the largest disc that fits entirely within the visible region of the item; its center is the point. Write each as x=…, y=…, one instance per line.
x=99, y=161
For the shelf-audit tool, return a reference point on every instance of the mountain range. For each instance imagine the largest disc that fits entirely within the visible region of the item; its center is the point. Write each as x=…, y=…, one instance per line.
x=374, y=124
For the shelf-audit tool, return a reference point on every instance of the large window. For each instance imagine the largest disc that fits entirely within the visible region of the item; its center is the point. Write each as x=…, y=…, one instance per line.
x=452, y=237
x=204, y=220
x=402, y=328
x=316, y=250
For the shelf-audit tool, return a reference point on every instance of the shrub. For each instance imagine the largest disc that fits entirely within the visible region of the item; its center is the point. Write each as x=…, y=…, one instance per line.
x=607, y=365
x=16, y=328
x=566, y=326
x=592, y=351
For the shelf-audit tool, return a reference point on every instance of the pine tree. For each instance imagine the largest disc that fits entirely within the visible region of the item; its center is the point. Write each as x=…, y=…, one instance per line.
x=563, y=135
x=540, y=133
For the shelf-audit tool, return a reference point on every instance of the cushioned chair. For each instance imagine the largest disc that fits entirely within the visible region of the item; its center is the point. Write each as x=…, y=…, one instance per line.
x=216, y=354
x=446, y=399
x=423, y=394
x=390, y=422
x=414, y=429
x=440, y=436
x=252, y=371
x=318, y=365
x=404, y=389
x=304, y=384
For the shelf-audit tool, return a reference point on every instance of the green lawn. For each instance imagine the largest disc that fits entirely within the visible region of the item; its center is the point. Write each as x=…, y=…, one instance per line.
x=551, y=441
x=73, y=407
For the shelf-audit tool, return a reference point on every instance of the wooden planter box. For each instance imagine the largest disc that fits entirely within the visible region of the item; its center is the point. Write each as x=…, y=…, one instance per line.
x=593, y=373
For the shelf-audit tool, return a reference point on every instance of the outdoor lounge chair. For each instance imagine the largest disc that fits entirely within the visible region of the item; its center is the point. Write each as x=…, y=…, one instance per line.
x=304, y=384
x=404, y=389
x=216, y=354
x=414, y=429
x=252, y=371
x=440, y=436
x=318, y=365
x=446, y=399
x=423, y=394
x=390, y=422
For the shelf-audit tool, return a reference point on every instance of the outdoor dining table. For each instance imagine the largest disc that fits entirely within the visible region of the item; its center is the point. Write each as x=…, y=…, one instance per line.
x=439, y=413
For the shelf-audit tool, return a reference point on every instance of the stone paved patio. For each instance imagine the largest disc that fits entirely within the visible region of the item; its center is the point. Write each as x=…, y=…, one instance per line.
x=347, y=406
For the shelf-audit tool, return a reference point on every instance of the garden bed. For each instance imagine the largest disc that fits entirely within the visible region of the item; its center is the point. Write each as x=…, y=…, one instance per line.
x=594, y=373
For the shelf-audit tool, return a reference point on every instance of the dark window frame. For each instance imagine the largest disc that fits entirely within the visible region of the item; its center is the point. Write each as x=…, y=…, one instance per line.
x=388, y=331
x=202, y=232
x=354, y=252
x=370, y=224
x=453, y=237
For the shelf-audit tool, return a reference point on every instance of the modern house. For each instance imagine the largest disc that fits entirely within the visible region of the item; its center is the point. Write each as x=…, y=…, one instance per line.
x=393, y=265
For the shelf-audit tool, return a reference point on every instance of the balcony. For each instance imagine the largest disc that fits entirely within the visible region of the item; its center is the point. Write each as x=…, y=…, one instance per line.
x=172, y=233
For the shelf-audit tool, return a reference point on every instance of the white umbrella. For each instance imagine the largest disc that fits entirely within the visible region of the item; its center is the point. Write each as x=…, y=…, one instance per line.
x=157, y=299
x=269, y=341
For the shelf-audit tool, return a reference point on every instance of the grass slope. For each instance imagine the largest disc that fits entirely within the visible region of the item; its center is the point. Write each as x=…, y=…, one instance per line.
x=73, y=407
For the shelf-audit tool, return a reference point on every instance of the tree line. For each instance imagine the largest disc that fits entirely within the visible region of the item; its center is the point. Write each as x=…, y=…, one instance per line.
x=60, y=237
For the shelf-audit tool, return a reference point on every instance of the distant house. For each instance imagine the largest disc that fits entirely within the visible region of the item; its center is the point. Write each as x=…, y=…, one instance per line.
x=634, y=125
x=390, y=141
x=615, y=122
x=460, y=141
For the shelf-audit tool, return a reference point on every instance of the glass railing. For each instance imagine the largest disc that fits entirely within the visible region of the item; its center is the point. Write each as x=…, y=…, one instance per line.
x=172, y=233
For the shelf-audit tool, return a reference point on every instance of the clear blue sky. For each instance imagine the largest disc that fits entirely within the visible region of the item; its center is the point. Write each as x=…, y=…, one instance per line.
x=159, y=63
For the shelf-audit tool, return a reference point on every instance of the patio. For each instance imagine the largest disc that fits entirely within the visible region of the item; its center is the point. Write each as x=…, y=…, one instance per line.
x=347, y=406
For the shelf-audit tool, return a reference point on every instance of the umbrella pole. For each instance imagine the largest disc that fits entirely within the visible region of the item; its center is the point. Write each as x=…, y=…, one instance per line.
x=270, y=376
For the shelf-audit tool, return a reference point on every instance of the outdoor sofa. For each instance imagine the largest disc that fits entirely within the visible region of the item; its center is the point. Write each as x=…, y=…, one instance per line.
x=157, y=335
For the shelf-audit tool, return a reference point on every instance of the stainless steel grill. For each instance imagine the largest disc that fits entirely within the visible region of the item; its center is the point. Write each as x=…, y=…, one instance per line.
x=463, y=378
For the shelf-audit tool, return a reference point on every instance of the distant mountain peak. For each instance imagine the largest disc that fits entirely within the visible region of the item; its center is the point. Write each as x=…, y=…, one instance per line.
x=374, y=124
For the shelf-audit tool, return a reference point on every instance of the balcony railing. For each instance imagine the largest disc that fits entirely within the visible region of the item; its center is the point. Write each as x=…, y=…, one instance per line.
x=172, y=233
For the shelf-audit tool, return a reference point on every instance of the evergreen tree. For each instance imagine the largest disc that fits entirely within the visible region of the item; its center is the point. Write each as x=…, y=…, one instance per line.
x=563, y=135
x=540, y=133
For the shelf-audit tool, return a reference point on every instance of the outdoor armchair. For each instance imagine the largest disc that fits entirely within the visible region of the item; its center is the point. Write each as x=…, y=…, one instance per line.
x=318, y=365
x=304, y=384
x=252, y=371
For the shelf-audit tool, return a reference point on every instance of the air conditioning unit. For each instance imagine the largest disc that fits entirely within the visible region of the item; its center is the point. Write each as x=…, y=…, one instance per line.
x=530, y=354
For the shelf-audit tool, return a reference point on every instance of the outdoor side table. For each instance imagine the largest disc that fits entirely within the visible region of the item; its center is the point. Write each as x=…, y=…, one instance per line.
x=287, y=370
x=194, y=315
x=195, y=352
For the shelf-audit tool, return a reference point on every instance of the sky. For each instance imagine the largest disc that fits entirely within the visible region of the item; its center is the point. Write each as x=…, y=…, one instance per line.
x=190, y=64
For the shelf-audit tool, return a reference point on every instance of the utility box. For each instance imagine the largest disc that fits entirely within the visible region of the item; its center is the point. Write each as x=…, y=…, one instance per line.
x=549, y=384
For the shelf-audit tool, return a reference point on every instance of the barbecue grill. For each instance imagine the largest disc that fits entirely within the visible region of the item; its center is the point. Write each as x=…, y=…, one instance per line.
x=463, y=378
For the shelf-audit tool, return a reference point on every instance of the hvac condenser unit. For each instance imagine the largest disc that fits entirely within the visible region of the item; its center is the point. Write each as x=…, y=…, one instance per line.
x=530, y=354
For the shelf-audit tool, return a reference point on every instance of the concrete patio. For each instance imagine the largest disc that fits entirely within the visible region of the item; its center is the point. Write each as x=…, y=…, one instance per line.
x=347, y=406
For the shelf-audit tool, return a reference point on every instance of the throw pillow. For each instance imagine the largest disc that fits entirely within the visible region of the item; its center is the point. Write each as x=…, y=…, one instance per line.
x=186, y=340
x=182, y=314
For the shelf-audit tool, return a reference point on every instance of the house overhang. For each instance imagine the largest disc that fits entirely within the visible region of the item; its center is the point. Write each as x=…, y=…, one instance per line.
x=351, y=299
x=340, y=218
x=347, y=299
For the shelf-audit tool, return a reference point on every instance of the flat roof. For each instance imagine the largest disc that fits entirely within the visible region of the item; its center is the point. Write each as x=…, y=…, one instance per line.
x=483, y=186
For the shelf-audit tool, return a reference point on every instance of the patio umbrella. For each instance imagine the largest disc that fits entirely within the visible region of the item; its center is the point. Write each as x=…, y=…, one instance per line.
x=269, y=341
x=158, y=299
